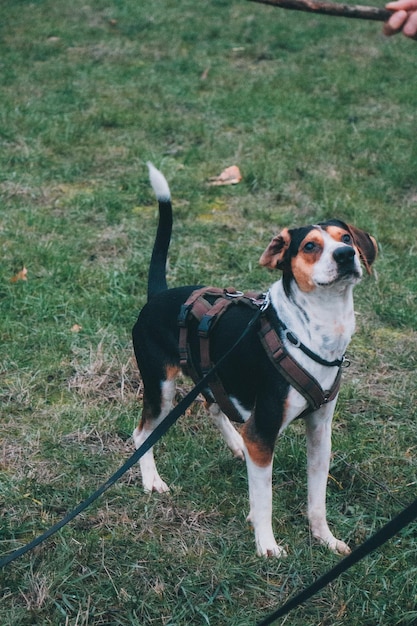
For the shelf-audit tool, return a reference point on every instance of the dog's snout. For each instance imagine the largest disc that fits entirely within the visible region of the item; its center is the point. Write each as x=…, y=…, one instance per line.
x=344, y=255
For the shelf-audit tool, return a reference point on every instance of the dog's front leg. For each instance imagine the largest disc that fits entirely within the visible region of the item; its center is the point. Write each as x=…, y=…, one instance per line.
x=319, y=431
x=260, y=498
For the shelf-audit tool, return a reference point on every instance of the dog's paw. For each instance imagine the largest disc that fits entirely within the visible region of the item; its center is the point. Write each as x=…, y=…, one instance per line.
x=154, y=483
x=270, y=550
x=335, y=545
x=265, y=542
x=340, y=547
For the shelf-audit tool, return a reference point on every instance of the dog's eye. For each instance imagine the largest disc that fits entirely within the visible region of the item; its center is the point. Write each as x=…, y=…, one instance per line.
x=346, y=238
x=309, y=246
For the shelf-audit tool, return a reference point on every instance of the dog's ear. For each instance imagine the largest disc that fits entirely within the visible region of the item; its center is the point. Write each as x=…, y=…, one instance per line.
x=366, y=244
x=274, y=255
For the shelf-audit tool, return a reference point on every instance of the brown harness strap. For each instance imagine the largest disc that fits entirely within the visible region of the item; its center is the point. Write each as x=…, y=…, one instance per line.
x=294, y=373
x=206, y=325
x=207, y=313
x=197, y=306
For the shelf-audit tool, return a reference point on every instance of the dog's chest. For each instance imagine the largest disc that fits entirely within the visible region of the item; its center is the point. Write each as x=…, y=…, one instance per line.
x=324, y=321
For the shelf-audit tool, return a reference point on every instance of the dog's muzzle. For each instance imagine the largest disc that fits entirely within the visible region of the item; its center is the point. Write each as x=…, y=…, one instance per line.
x=344, y=256
x=346, y=261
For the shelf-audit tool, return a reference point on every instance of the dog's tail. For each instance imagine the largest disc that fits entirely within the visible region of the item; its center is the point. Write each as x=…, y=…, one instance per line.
x=157, y=281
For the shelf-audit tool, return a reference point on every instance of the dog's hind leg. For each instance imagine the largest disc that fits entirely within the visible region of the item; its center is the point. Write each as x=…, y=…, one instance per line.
x=151, y=479
x=230, y=434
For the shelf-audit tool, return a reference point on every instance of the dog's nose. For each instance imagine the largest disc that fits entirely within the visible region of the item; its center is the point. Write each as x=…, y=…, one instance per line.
x=344, y=255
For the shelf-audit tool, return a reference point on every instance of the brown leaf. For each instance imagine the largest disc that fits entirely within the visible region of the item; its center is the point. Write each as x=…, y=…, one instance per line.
x=22, y=275
x=230, y=176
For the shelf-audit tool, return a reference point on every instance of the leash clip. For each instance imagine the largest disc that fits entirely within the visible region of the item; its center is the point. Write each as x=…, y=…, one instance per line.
x=345, y=361
x=266, y=301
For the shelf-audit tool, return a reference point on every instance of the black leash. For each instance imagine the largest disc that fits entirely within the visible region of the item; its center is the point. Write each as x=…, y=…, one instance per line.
x=159, y=431
x=375, y=541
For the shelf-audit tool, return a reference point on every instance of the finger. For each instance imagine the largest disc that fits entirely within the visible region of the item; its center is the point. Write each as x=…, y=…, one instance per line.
x=410, y=28
x=395, y=23
x=406, y=5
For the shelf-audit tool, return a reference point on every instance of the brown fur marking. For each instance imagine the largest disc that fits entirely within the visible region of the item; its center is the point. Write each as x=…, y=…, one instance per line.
x=259, y=451
x=302, y=265
x=171, y=371
x=336, y=232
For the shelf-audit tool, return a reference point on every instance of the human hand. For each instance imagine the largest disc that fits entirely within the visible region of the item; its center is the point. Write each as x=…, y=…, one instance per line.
x=404, y=18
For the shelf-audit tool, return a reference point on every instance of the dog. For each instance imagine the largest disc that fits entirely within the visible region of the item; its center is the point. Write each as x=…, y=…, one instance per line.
x=311, y=316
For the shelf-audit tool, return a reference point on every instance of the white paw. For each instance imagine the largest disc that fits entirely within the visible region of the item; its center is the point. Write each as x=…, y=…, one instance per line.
x=271, y=549
x=265, y=542
x=154, y=483
x=340, y=547
x=335, y=545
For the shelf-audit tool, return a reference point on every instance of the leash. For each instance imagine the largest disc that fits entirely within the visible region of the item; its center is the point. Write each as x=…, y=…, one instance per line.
x=156, y=434
x=375, y=541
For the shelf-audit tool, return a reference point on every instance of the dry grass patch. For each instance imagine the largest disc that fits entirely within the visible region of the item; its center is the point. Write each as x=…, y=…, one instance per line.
x=105, y=374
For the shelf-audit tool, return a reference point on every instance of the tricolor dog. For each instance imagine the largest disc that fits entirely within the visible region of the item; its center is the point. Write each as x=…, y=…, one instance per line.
x=287, y=365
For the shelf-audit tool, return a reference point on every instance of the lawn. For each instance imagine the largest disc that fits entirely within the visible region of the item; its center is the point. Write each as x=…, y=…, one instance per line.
x=319, y=115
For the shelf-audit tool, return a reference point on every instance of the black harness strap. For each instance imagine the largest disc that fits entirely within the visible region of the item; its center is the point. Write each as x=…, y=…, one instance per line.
x=297, y=343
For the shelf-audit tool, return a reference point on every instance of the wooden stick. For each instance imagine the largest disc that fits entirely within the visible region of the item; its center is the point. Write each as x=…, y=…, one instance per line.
x=332, y=8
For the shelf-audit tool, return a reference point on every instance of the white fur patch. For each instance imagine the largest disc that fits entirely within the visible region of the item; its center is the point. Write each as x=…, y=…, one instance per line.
x=159, y=183
x=231, y=436
x=260, y=515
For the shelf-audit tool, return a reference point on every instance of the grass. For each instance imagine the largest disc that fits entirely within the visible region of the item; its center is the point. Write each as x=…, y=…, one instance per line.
x=319, y=114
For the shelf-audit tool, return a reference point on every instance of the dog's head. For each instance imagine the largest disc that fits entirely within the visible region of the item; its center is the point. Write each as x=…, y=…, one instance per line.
x=321, y=255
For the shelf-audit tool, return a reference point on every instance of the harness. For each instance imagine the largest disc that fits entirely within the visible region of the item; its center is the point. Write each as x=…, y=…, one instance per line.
x=205, y=307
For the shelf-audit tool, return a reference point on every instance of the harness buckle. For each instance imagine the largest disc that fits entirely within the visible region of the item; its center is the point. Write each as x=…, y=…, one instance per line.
x=183, y=315
x=205, y=325
x=293, y=339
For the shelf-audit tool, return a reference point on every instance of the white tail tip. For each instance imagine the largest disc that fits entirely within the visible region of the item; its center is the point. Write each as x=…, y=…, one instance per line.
x=159, y=183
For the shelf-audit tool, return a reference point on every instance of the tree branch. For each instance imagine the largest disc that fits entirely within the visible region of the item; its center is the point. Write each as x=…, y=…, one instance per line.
x=331, y=8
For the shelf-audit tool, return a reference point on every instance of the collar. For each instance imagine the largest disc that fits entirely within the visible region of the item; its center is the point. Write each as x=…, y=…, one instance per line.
x=284, y=331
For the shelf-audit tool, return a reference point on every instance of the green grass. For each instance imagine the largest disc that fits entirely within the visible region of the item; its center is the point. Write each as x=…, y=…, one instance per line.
x=319, y=114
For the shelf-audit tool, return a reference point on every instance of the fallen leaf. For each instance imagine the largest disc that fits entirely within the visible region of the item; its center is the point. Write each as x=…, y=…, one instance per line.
x=230, y=176
x=22, y=275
